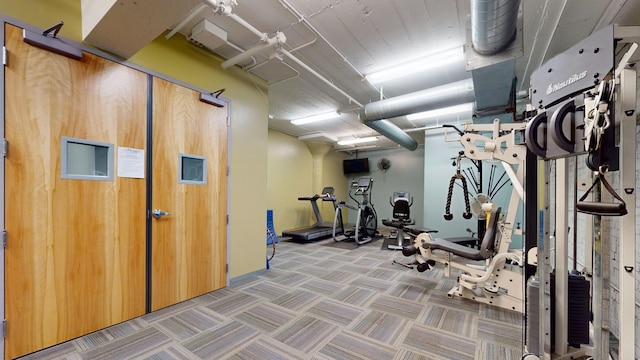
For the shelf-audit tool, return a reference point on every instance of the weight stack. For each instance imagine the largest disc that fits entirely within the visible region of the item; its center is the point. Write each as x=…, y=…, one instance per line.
x=578, y=316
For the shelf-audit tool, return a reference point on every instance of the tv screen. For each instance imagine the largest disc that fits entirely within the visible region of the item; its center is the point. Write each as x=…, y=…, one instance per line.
x=354, y=166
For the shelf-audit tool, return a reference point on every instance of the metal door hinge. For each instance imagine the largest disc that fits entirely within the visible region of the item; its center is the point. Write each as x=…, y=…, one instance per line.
x=228, y=170
x=227, y=268
x=4, y=238
x=227, y=219
x=5, y=147
x=4, y=328
x=228, y=122
x=4, y=55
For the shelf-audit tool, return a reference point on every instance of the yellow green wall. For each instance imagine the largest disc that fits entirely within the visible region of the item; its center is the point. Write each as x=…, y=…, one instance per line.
x=290, y=173
x=183, y=61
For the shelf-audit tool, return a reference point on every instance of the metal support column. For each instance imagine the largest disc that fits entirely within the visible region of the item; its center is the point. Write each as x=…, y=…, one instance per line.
x=627, y=248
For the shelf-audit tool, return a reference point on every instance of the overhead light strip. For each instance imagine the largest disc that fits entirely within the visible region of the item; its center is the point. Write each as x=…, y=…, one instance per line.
x=418, y=65
x=450, y=110
x=357, y=140
x=315, y=118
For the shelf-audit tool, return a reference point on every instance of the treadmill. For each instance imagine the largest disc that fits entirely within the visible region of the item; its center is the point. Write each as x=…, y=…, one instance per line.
x=320, y=229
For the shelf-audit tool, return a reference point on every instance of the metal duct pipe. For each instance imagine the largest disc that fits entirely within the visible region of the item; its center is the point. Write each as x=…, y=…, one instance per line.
x=456, y=93
x=493, y=24
x=391, y=131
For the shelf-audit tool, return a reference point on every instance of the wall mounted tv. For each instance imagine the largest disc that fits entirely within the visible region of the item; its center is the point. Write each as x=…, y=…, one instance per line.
x=354, y=166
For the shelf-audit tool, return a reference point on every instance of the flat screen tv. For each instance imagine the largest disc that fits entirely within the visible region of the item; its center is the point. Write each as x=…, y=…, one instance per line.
x=354, y=166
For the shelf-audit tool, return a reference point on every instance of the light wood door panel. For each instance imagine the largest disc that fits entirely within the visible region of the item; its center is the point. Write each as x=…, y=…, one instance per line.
x=189, y=246
x=75, y=260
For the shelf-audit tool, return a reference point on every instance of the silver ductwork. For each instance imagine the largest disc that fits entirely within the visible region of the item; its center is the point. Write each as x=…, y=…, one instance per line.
x=456, y=93
x=391, y=131
x=493, y=24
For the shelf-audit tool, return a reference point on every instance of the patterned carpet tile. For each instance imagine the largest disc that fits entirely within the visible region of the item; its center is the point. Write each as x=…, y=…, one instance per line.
x=373, y=284
x=370, y=263
x=233, y=304
x=208, y=298
x=406, y=354
x=314, y=271
x=221, y=340
x=329, y=263
x=435, y=342
x=486, y=350
x=383, y=327
x=266, y=317
x=383, y=274
x=502, y=315
x=354, y=268
x=171, y=353
x=453, y=321
x=397, y=306
x=500, y=333
x=307, y=334
x=339, y=276
x=132, y=346
x=335, y=312
x=56, y=352
x=111, y=333
x=265, y=348
x=190, y=322
x=267, y=290
x=296, y=300
x=168, y=311
x=354, y=295
x=416, y=278
x=347, y=345
x=289, y=265
x=409, y=292
x=321, y=287
x=441, y=298
x=290, y=279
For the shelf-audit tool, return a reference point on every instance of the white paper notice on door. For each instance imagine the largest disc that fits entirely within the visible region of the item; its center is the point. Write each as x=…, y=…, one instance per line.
x=130, y=162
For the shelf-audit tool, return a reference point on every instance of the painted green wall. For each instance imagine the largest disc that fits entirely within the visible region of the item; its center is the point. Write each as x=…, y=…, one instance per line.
x=290, y=173
x=183, y=61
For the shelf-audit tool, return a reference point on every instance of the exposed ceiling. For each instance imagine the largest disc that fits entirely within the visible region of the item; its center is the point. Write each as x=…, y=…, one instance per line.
x=328, y=46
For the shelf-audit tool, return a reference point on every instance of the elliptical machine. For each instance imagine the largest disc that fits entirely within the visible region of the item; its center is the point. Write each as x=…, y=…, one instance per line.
x=366, y=225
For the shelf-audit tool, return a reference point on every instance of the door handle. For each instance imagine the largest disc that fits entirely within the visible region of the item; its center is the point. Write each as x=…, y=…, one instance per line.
x=157, y=213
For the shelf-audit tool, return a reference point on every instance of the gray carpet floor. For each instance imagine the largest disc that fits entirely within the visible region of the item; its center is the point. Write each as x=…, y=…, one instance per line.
x=316, y=301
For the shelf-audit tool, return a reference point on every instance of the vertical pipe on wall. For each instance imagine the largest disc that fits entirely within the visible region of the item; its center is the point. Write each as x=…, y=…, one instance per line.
x=318, y=151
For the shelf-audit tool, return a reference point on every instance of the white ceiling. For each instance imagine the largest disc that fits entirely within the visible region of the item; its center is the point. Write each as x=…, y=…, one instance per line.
x=334, y=43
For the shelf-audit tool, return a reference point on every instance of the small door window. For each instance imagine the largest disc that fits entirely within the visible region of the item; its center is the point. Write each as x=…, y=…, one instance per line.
x=192, y=169
x=86, y=160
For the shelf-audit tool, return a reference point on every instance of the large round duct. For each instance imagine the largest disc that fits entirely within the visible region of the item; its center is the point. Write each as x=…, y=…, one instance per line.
x=493, y=24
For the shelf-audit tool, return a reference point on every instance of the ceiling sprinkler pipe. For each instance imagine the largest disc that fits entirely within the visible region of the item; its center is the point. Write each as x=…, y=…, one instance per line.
x=493, y=24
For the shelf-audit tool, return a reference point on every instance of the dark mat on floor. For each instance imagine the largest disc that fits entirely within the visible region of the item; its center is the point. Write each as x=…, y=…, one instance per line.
x=388, y=241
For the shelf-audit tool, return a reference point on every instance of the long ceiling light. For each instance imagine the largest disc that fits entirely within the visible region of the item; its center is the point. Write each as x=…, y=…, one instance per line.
x=357, y=140
x=314, y=118
x=463, y=109
x=417, y=65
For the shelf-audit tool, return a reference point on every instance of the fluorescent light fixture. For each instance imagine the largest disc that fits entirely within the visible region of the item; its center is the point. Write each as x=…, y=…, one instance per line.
x=417, y=65
x=317, y=136
x=456, y=109
x=357, y=140
x=314, y=118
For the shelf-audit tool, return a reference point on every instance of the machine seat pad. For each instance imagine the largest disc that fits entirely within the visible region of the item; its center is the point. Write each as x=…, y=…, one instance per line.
x=464, y=240
x=419, y=230
x=454, y=248
x=398, y=224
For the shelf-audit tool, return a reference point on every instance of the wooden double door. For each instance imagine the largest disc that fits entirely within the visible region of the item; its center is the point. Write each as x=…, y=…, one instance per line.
x=86, y=253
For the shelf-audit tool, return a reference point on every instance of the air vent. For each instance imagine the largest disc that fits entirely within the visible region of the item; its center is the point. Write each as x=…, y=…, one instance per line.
x=206, y=34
